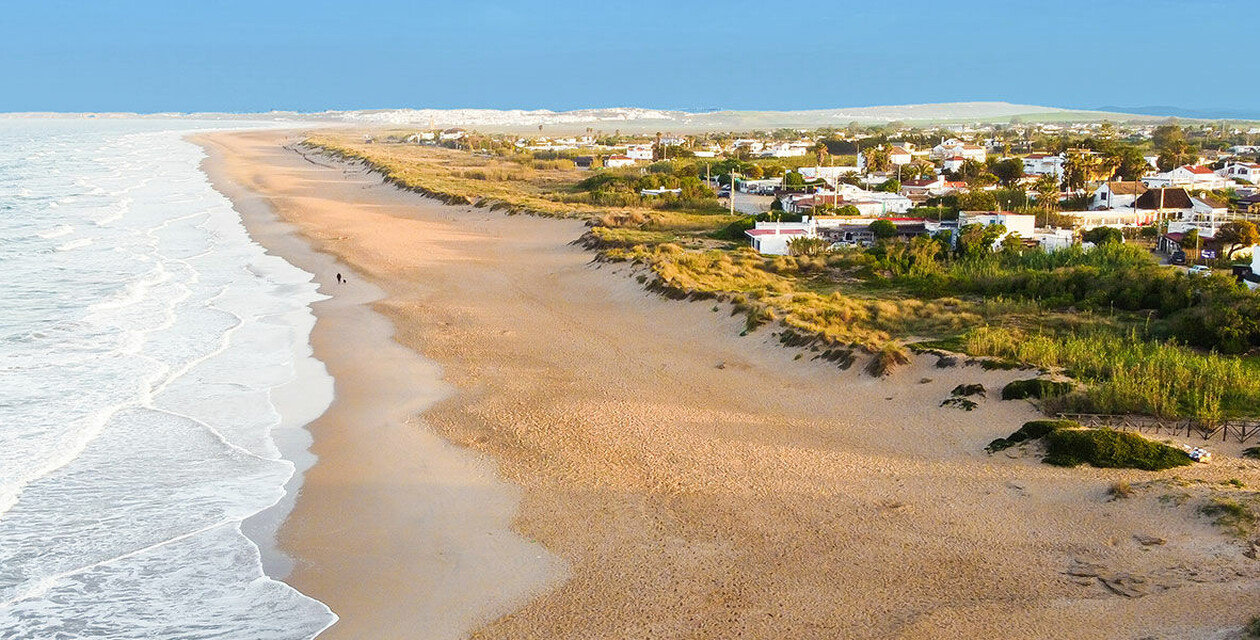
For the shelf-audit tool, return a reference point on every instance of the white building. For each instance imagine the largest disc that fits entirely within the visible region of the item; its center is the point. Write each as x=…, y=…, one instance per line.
x=1116, y=195
x=771, y=238
x=1054, y=239
x=1040, y=164
x=954, y=147
x=453, y=134
x=1020, y=223
x=1190, y=177
x=639, y=152
x=612, y=162
x=1128, y=217
x=900, y=155
x=1246, y=171
x=753, y=146
x=954, y=164
x=786, y=150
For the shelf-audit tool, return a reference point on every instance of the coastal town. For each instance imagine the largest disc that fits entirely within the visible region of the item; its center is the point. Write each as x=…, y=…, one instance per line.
x=1191, y=192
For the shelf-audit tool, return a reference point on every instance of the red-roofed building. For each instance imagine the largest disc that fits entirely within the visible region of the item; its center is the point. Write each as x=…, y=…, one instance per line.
x=1189, y=176
x=1246, y=171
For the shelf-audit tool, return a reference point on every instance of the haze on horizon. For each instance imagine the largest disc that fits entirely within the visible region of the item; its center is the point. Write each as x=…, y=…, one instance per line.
x=234, y=56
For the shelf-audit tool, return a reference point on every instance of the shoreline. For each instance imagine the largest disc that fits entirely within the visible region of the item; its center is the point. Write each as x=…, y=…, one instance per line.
x=328, y=550
x=700, y=483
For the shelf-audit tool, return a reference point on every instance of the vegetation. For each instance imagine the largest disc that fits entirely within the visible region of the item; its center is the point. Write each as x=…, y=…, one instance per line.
x=1110, y=449
x=1130, y=375
x=1034, y=430
x=1232, y=515
x=1137, y=336
x=1038, y=388
x=1120, y=490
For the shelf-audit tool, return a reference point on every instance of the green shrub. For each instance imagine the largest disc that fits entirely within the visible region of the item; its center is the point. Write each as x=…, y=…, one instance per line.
x=1030, y=431
x=1108, y=448
x=959, y=402
x=968, y=390
x=1035, y=388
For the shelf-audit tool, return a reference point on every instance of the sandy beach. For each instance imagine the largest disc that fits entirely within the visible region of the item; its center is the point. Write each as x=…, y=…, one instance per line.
x=526, y=444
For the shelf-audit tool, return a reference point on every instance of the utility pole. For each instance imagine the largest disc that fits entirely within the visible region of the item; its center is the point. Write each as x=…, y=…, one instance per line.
x=731, y=199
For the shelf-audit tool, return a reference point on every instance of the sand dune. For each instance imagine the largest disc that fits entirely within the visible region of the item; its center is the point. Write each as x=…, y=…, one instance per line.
x=696, y=483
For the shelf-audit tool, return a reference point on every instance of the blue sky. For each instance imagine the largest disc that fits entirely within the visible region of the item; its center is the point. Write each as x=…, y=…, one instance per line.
x=119, y=55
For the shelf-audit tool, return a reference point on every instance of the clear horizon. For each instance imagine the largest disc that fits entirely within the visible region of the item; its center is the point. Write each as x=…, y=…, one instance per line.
x=237, y=57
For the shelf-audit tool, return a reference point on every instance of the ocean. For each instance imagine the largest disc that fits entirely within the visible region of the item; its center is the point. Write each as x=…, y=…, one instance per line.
x=143, y=335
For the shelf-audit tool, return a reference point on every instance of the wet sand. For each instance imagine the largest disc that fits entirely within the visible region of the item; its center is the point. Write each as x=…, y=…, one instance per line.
x=690, y=482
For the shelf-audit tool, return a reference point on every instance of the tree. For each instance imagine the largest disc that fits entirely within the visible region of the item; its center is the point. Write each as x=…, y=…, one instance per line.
x=1007, y=171
x=891, y=185
x=1083, y=167
x=1190, y=239
x=1176, y=154
x=1238, y=234
x=977, y=200
x=882, y=229
x=1103, y=235
x=1131, y=165
x=1012, y=243
x=983, y=180
x=794, y=179
x=1164, y=135
x=820, y=151
x=977, y=239
x=877, y=159
x=1047, y=190
x=969, y=169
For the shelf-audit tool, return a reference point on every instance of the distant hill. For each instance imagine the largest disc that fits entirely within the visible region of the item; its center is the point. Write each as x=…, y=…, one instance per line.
x=636, y=119
x=639, y=120
x=1198, y=114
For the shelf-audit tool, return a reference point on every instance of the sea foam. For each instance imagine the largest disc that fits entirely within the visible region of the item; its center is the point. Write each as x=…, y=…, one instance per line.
x=142, y=336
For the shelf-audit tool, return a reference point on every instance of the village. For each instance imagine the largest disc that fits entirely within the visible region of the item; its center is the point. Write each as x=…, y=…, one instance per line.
x=1173, y=186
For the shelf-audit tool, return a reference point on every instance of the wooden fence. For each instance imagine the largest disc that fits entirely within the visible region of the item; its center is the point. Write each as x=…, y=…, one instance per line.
x=1239, y=430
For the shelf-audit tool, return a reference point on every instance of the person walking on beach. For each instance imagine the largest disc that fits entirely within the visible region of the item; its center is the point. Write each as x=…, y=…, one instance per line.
x=338, y=278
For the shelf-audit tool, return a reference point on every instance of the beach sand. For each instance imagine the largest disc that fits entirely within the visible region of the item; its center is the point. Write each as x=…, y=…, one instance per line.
x=690, y=482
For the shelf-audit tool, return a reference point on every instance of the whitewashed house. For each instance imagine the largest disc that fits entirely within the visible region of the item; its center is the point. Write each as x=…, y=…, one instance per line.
x=1190, y=177
x=786, y=150
x=954, y=164
x=771, y=238
x=954, y=147
x=639, y=152
x=1021, y=223
x=1246, y=171
x=1040, y=164
x=1054, y=239
x=452, y=134
x=900, y=155
x=613, y=162
x=1116, y=195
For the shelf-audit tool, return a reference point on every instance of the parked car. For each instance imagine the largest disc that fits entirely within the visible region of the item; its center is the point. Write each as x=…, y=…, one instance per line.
x=1200, y=270
x=1178, y=257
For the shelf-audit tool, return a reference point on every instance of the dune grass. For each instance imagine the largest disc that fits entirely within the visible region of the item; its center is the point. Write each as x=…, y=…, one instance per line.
x=1129, y=375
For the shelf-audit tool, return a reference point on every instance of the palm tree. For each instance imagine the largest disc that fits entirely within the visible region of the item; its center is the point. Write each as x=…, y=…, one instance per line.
x=1047, y=190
